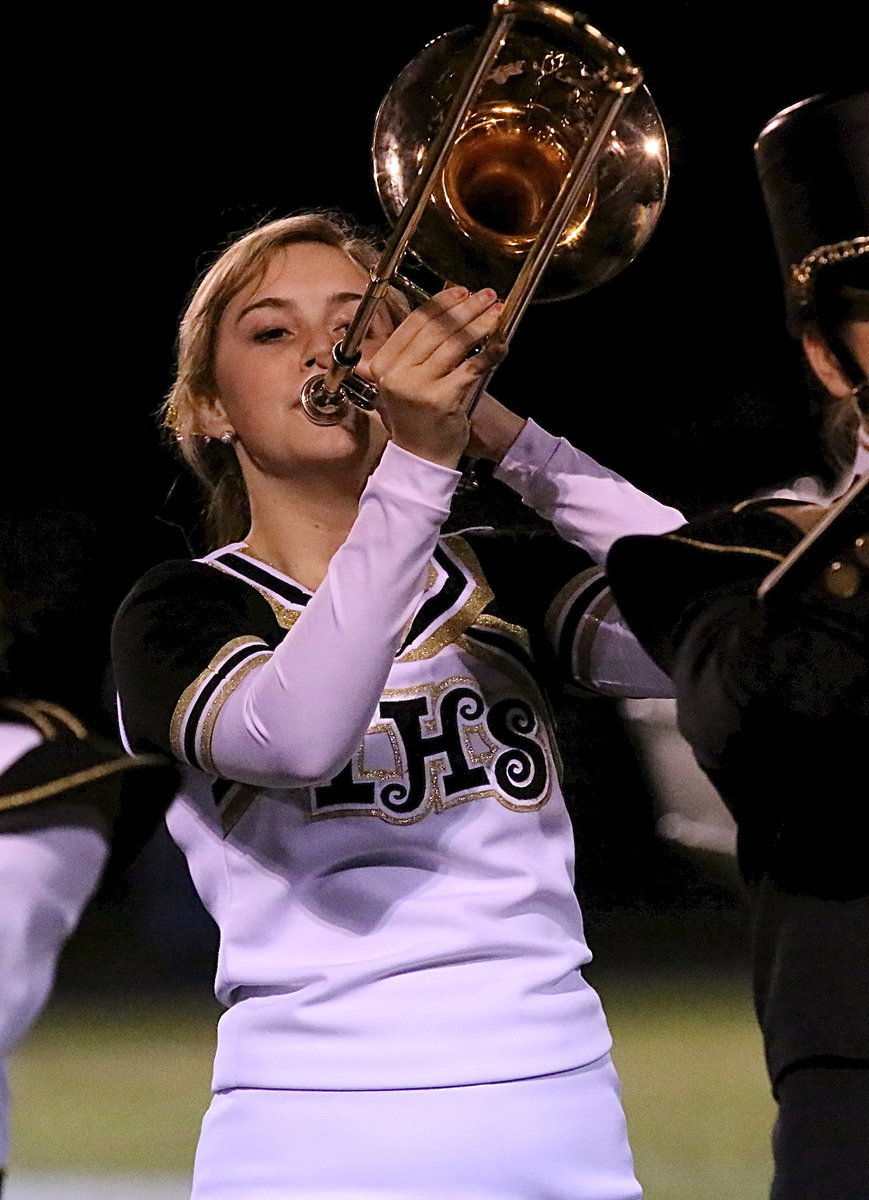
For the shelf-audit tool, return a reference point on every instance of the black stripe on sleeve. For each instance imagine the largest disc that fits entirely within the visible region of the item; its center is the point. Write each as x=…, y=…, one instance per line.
x=203, y=700
x=572, y=619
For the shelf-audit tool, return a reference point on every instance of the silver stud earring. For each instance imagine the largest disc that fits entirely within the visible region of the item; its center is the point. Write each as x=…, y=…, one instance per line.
x=227, y=437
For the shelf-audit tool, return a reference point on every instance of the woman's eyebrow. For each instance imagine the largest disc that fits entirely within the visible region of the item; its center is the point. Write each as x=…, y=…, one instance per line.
x=343, y=297
x=277, y=302
x=265, y=302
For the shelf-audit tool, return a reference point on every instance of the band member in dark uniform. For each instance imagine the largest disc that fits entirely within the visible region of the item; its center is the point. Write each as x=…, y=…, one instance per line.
x=773, y=689
x=70, y=802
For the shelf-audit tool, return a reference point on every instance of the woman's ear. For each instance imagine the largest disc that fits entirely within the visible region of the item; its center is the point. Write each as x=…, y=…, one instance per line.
x=824, y=363
x=211, y=418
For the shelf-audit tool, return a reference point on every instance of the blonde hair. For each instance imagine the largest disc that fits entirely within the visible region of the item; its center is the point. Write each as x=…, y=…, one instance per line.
x=839, y=433
x=227, y=511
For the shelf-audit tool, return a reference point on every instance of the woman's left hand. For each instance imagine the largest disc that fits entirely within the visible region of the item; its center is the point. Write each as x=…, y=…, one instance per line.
x=426, y=379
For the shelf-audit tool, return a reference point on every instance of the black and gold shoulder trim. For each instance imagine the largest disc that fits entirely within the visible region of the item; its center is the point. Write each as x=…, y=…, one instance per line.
x=197, y=710
x=49, y=719
x=658, y=580
x=285, y=598
x=78, y=779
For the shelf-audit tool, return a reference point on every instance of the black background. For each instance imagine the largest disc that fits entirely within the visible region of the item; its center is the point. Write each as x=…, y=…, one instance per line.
x=141, y=145
x=141, y=142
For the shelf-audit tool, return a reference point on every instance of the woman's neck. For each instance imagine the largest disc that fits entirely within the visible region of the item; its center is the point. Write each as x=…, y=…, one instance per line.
x=298, y=524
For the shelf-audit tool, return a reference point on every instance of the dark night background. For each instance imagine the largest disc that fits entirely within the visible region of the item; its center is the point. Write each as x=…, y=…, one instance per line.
x=145, y=144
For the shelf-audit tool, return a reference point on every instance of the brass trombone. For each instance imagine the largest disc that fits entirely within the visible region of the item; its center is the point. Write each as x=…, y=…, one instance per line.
x=531, y=160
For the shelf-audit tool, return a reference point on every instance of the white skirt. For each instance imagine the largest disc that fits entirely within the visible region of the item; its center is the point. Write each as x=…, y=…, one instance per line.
x=555, y=1137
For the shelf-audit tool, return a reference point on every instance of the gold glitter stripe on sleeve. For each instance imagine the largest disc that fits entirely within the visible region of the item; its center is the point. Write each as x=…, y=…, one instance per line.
x=755, y=551
x=487, y=621
x=176, y=727
x=212, y=712
x=78, y=778
x=589, y=624
x=561, y=604
x=453, y=627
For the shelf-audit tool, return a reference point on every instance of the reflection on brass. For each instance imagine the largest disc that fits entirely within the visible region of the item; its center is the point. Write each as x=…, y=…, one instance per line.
x=861, y=550
x=842, y=579
x=504, y=176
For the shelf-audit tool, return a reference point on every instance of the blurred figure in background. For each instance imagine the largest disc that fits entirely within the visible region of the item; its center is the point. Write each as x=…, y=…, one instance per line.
x=773, y=692
x=69, y=800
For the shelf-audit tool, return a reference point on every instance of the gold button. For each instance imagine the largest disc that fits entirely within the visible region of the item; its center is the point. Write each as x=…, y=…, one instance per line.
x=842, y=579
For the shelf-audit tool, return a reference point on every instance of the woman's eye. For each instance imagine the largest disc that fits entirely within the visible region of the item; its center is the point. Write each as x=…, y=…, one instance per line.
x=271, y=335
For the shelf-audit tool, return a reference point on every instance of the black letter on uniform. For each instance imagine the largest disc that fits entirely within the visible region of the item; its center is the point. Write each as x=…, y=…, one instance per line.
x=521, y=771
x=408, y=715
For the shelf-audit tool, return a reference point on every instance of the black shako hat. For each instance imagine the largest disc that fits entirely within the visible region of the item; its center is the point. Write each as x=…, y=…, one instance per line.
x=812, y=161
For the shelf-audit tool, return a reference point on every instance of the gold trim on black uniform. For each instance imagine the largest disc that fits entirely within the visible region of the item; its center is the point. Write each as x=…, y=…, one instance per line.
x=754, y=551
x=41, y=713
x=78, y=778
x=259, y=653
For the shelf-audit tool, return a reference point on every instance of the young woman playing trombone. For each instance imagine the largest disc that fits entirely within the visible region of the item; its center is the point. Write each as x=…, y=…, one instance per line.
x=371, y=807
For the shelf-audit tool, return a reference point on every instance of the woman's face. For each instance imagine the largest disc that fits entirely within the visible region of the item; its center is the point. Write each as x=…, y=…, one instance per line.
x=857, y=336
x=273, y=336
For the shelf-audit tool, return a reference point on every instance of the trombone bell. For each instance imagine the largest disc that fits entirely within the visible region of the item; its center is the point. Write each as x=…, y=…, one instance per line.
x=503, y=176
x=533, y=112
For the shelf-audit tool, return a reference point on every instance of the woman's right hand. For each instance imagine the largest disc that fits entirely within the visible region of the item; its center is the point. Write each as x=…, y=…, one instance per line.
x=425, y=378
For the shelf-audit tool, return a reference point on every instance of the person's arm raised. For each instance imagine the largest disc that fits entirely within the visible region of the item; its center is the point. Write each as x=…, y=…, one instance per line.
x=587, y=504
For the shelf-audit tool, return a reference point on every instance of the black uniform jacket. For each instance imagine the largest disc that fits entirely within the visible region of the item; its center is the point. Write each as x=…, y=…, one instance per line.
x=773, y=697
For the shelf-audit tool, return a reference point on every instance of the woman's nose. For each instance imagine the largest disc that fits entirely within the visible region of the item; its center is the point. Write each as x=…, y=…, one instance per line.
x=319, y=353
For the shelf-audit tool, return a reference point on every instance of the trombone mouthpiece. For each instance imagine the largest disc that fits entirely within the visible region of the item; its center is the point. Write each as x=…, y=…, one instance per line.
x=322, y=407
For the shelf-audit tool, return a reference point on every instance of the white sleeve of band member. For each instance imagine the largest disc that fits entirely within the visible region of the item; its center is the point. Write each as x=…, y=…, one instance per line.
x=596, y=650
x=46, y=878
x=587, y=504
x=296, y=719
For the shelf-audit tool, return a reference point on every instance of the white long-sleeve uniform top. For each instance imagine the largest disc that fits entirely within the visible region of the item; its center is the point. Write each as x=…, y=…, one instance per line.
x=371, y=808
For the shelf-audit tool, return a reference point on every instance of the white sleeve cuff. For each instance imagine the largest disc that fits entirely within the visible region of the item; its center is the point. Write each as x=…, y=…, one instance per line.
x=529, y=454
x=414, y=480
